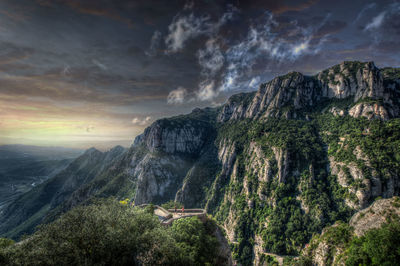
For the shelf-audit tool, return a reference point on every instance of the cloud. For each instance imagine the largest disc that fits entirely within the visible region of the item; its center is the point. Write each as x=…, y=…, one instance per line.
x=66, y=70
x=183, y=29
x=177, y=96
x=186, y=27
x=206, y=90
x=384, y=27
x=254, y=82
x=210, y=58
x=266, y=45
x=376, y=21
x=141, y=121
x=300, y=48
x=154, y=44
x=100, y=65
x=363, y=11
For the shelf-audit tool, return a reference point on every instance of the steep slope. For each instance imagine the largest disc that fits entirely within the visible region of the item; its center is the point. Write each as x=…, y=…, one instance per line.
x=273, y=166
x=331, y=246
x=27, y=211
x=297, y=155
x=296, y=158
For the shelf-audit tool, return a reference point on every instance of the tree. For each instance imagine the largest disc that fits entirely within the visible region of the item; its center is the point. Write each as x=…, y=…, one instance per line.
x=198, y=246
x=377, y=247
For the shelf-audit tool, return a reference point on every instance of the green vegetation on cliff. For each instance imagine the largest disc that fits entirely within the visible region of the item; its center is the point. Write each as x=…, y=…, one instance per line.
x=310, y=198
x=378, y=246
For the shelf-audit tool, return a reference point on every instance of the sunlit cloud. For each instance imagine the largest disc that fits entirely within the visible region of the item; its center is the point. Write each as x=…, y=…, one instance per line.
x=206, y=90
x=177, y=96
x=141, y=121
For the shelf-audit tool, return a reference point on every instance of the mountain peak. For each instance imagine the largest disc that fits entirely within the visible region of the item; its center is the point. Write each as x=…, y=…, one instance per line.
x=91, y=151
x=294, y=91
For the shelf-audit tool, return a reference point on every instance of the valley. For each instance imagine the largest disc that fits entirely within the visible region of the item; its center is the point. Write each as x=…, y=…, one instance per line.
x=24, y=167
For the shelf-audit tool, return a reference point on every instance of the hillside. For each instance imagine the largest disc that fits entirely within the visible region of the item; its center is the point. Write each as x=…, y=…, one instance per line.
x=273, y=166
x=367, y=239
x=31, y=208
x=23, y=167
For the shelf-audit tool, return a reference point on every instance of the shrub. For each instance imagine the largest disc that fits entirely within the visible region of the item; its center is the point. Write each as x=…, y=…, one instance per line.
x=108, y=233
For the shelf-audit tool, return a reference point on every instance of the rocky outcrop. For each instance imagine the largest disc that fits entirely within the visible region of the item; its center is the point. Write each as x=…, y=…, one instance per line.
x=185, y=134
x=375, y=215
x=337, y=111
x=362, y=184
x=283, y=95
x=347, y=174
x=259, y=163
x=361, y=80
x=369, y=111
x=293, y=89
x=328, y=248
x=235, y=107
x=165, y=136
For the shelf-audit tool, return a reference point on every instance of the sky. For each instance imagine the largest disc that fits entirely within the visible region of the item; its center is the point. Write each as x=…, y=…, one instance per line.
x=83, y=73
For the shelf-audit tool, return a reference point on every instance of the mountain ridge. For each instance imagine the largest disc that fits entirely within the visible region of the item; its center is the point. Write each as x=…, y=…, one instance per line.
x=273, y=166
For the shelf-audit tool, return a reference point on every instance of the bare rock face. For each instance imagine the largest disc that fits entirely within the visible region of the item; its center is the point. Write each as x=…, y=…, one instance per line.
x=336, y=111
x=173, y=137
x=375, y=215
x=369, y=111
x=295, y=91
x=227, y=156
x=154, y=178
x=361, y=80
x=235, y=107
x=259, y=164
x=282, y=157
x=169, y=159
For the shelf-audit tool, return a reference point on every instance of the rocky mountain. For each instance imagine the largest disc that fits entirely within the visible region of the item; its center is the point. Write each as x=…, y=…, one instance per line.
x=273, y=166
x=32, y=207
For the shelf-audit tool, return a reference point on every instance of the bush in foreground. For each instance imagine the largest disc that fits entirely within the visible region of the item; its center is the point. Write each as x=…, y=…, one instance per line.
x=108, y=233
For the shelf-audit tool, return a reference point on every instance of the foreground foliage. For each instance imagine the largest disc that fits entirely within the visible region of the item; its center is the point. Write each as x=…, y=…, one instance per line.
x=377, y=247
x=108, y=233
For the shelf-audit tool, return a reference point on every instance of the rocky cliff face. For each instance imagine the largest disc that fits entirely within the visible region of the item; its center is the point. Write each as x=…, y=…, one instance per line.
x=172, y=137
x=295, y=91
x=178, y=151
x=273, y=166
